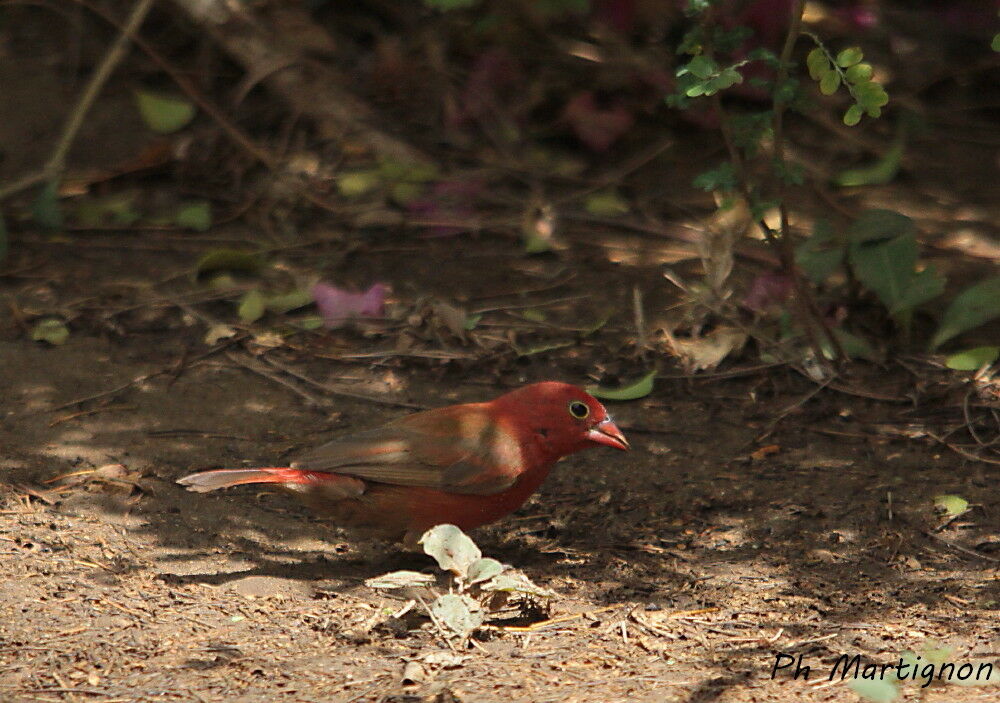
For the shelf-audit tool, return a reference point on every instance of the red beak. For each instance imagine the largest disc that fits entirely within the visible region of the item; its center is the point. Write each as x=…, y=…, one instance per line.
x=608, y=434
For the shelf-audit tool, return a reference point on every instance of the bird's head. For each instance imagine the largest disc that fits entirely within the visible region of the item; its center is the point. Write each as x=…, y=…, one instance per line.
x=566, y=418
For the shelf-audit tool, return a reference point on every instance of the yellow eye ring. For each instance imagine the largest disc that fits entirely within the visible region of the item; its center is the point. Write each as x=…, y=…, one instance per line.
x=578, y=410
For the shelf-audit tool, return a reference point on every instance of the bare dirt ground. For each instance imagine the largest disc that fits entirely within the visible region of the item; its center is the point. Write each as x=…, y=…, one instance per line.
x=682, y=569
x=758, y=515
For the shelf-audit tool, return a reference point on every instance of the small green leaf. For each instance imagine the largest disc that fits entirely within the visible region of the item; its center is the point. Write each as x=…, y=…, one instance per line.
x=829, y=83
x=701, y=66
x=875, y=690
x=821, y=254
x=995, y=44
x=354, y=184
x=162, y=112
x=871, y=95
x=859, y=73
x=405, y=192
x=310, y=322
x=194, y=214
x=513, y=581
x=286, y=302
x=228, y=260
x=972, y=307
x=50, y=330
x=251, y=306
x=453, y=550
x=853, y=115
x=849, y=57
x=445, y=5
x=973, y=359
x=46, y=211
x=541, y=348
x=696, y=90
x=951, y=505
x=471, y=321
x=607, y=203
x=854, y=346
x=882, y=225
x=639, y=389
x=484, y=570
x=922, y=286
x=818, y=64
x=400, y=579
x=878, y=173
x=459, y=613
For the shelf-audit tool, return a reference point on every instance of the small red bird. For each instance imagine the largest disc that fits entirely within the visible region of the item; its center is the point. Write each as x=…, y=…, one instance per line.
x=467, y=465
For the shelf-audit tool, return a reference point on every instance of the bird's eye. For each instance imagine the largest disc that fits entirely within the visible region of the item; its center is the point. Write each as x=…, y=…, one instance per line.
x=578, y=410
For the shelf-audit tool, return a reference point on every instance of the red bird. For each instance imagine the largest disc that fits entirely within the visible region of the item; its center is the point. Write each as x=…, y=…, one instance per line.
x=467, y=465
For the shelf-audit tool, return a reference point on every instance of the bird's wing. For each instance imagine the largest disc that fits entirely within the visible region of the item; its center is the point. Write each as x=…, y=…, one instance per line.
x=459, y=449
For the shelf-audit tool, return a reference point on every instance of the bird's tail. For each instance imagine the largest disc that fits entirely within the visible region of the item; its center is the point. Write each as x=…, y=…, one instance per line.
x=205, y=481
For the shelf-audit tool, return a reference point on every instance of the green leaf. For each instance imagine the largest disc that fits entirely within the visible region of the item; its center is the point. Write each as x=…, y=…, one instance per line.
x=45, y=211
x=51, y=330
x=878, y=173
x=882, y=225
x=885, y=267
x=471, y=321
x=818, y=64
x=228, y=260
x=639, y=389
x=513, y=581
x=701, y=66
x=859, y=73
x=854, y=346
x=354, y=184
x=972, y=359
x=251, y=307
x=696, y=90
x=923, y=286
x=541, y=348
x=821, y=254
x=829, y=83
x=607, y=203
x=870, y=95
x=405, y=192
x=951, y=505
x=310, y=322
x=194, y=214
x=995, y=44
x=400, y=579
x=286, y=302
x=853, y=115
x=445, y=5
x=164, y=113
x=883, y=256
x=875, y=690
x=849, y=57
x=453, y=550
x=484, y=570
x=459, y=613
x=972, y=307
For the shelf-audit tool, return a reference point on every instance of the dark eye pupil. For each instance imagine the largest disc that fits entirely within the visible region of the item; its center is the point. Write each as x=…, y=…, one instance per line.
x=578, y=409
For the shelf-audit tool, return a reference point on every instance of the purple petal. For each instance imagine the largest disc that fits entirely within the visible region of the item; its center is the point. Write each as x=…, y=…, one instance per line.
x=339, y=306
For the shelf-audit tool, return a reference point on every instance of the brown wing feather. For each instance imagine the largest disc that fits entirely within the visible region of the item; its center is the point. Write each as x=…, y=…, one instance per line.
x=456, y=449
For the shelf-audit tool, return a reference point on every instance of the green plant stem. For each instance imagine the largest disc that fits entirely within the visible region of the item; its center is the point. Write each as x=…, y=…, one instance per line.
x=116, y=52
x=788, y=265
x=787, y=250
